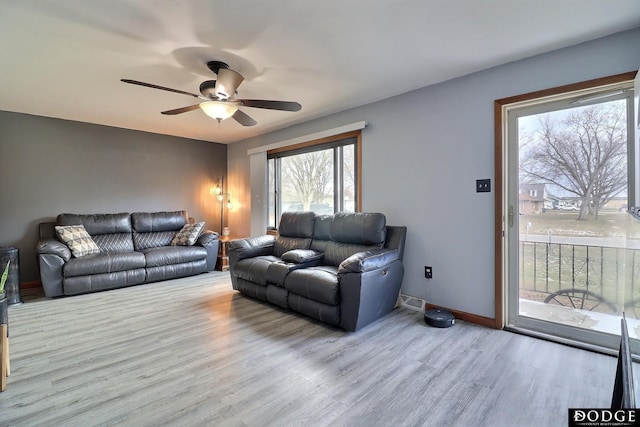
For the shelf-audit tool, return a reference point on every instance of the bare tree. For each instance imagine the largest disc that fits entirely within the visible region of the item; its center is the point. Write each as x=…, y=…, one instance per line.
x=584, y=153
x=308, y=177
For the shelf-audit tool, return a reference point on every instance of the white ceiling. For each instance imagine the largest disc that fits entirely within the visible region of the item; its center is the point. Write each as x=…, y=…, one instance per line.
x=65, y=58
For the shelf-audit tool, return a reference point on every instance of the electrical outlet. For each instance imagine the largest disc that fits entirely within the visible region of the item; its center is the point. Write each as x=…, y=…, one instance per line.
x=428, y=272
x=483, y=185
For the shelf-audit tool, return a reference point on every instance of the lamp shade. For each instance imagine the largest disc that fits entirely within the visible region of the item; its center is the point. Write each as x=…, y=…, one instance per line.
x=218, y=110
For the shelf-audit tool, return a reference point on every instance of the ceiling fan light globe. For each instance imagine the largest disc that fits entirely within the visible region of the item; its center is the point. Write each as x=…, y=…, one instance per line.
x=218, y=110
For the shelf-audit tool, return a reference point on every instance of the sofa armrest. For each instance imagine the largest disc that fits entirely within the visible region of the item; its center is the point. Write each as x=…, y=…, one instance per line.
x=369, y=283
x=52, y=256
x=250, y=247
x=209, y=240
x=368, y=261
x=53, y=247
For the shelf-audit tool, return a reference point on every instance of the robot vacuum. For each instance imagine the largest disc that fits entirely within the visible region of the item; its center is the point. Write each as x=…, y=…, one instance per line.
x=439, y=318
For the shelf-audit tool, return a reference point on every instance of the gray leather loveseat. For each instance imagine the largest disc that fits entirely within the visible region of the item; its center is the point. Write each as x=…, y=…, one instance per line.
x=132, y=249
x=343, y=269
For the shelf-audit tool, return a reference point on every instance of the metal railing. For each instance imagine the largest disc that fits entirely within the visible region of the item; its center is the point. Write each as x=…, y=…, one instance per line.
x=593, y=277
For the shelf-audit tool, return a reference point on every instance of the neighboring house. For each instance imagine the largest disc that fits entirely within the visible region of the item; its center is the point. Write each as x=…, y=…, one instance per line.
x=535, y=199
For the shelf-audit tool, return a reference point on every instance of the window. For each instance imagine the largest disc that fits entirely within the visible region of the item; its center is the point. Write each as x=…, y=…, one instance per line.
x=322, y=176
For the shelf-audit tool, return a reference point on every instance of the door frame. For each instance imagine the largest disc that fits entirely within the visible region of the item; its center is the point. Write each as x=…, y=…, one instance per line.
x=500, y=178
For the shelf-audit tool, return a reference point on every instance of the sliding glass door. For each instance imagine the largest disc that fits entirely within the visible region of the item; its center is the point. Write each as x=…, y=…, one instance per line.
x=573, y=249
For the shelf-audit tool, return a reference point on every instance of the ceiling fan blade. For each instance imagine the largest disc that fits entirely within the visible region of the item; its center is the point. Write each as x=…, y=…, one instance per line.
x=181, y=110
x=243, y=119
x=152, y=86
x=227, y=82
x=270, y=105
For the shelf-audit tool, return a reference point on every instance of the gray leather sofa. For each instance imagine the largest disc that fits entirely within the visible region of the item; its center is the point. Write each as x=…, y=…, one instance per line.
x=135, y=248
x=343, y=269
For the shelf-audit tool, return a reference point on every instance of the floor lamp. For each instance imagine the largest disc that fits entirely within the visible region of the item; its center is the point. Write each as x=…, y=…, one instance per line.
x=220, y=193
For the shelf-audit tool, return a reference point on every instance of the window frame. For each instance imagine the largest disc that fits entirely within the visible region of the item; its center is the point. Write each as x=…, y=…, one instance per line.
x=335, y=142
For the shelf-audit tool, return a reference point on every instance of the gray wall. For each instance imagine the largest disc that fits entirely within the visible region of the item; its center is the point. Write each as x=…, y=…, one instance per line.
x=49, y=166
x=422, y=153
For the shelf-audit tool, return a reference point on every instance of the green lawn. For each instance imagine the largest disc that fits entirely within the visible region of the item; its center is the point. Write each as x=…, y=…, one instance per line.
x=608, y=224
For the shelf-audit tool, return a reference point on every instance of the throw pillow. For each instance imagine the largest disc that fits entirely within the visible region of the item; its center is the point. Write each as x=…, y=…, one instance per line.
x=188, y=235
x=77, y=239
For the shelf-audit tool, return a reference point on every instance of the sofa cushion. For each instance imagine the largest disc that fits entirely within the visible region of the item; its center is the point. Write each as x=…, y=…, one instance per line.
x=297, y=224
x=284, y=244
x=147, y=222
x=111, y=232
x=315, y=283
x=144, y=241
x=77, y=239
x=361, y=228
x=277, y=295
x=98, y=223
x=324, y=312
x=154, y=229
x=322, y=227
x=168, y=255
x=278, y=271
x=103, y=263
x=294, y=232
x=172, y=271
x=117, y=242
x=254, y=269
x=188, y=234
x=253, y=290
x=321, y=232
x=102, y=281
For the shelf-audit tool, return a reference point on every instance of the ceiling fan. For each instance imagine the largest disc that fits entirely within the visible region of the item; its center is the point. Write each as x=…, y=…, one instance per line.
x=218, y=97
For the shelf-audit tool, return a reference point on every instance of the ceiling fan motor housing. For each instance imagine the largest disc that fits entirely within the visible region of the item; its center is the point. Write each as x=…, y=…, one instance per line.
x=215, y=66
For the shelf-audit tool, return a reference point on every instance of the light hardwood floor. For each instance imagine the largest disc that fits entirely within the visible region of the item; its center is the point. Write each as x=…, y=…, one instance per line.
x=193, y=352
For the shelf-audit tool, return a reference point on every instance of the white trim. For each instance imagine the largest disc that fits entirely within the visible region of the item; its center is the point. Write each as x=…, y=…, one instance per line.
x=310, y=137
